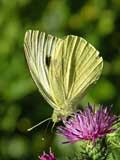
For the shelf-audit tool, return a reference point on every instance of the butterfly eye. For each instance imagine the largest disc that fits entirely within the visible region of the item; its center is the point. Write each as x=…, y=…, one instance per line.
x=48, y=61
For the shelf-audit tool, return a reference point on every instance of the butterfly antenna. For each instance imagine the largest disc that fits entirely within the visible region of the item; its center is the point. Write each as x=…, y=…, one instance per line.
x=45, y=132
x=39, y=124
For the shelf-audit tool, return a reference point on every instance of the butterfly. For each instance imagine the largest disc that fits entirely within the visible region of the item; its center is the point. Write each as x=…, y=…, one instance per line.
x=62, y=68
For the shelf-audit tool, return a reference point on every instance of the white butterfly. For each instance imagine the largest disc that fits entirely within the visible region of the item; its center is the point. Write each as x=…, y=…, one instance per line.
x=62, y=69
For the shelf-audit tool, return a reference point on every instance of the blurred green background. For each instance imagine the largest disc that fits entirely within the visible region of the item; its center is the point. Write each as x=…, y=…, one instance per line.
x=21, y=105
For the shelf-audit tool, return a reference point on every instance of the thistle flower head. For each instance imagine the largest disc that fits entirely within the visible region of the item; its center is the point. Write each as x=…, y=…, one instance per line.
x=46, y=156
x=88, y=124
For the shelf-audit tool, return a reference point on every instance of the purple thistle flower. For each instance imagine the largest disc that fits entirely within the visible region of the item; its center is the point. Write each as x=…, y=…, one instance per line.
x=88, y=124
x=46, y=156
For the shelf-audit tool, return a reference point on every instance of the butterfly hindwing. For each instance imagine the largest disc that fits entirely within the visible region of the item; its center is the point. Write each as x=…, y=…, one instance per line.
x=85, y=67
x=74, y=67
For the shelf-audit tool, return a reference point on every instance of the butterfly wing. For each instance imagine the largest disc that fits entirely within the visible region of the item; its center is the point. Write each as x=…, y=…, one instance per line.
x=38, y=49
x=85, y=67
x=76, y=66
x=56, y=76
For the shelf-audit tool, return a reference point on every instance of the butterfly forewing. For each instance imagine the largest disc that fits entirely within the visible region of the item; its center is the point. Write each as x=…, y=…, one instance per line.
x=38, y=48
